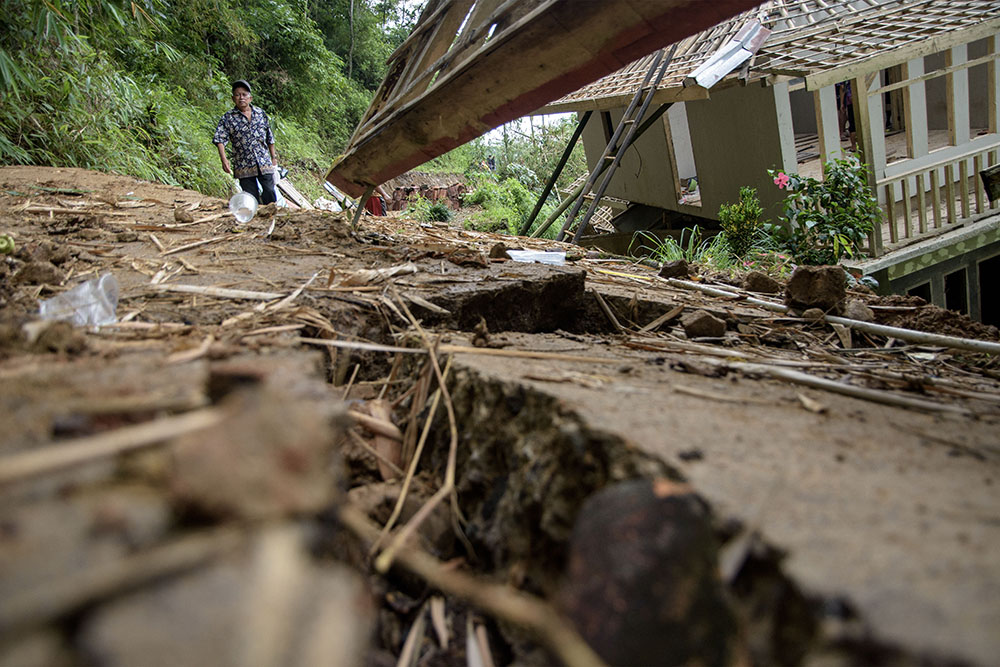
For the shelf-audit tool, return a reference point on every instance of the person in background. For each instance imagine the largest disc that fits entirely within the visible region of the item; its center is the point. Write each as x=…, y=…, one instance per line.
x=254, y=157
x=845, y=111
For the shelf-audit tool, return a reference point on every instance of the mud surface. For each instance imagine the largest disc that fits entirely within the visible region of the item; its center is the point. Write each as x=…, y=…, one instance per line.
x=598, y=449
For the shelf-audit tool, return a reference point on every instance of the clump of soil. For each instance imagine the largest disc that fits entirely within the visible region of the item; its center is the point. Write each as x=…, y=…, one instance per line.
x=937, y=320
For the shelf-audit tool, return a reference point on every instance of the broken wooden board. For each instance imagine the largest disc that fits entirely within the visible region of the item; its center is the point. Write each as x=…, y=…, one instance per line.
x=472, y=65
x=292, y=194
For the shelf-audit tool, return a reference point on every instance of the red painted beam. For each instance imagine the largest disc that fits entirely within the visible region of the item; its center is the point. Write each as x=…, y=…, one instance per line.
x=571, y=44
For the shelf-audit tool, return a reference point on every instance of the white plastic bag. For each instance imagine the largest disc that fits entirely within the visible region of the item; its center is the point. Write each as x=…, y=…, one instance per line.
x=541, y=256
x=92, y=303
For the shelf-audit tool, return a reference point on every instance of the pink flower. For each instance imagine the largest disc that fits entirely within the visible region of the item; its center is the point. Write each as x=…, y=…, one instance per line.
x=781, y=180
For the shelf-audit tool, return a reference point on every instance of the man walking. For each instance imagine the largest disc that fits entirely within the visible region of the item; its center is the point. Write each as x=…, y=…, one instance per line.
x=253, y=145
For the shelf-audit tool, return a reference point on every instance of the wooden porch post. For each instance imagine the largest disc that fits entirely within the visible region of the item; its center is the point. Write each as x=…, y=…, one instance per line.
x=828, y=124
x=871, y=123
x=915, y=108
x=871, y=139
x=993, y=81
x=786, y=129
x=957, y=84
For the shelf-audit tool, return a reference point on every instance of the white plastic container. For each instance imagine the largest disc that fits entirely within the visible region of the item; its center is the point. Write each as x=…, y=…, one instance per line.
x=243, y=206
x=92, y=303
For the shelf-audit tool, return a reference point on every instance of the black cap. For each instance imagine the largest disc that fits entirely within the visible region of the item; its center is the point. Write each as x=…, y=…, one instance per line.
x=241, y=84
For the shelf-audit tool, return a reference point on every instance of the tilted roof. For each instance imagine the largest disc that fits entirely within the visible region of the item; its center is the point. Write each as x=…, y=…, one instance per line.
x=819, y=40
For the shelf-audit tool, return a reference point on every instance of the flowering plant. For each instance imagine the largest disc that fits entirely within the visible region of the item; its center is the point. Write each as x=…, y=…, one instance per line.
x=829, y=219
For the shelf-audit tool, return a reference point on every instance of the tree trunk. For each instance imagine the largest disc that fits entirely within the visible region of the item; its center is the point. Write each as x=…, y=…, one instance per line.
x=350, y=54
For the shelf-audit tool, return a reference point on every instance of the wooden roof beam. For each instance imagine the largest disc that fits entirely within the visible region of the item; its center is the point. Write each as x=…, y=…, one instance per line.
x=895, y=56
x=553, y=50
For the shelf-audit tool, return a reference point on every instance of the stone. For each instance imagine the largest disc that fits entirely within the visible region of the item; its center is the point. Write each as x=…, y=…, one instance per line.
x=856, y=309
x=39, y=273
x=814, y=315
x=183, y=215
x=702, y=324
x=757, y=281
x=822, y=287
x=675, y=269
x=642, y=586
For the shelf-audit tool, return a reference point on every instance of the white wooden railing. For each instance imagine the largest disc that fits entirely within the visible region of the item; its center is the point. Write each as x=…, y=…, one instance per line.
x=923, y=195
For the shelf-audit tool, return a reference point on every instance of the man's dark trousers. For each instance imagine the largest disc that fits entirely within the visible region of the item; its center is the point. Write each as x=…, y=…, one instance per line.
x=264, y=194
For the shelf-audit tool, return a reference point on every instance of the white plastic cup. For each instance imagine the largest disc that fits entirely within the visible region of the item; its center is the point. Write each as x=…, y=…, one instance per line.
x=243, y=206
x=92, y=303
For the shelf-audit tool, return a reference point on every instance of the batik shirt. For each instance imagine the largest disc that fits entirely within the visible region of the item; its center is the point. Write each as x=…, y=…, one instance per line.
x=251, y=139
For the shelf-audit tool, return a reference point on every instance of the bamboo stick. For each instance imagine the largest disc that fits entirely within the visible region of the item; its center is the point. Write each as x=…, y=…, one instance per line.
x=909, y=335
x=220, y=292
x=56, y=456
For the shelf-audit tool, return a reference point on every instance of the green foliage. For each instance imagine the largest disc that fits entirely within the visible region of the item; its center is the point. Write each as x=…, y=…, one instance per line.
x=825, y=221
x=421, y=208
x=741, y=222
x=691, y=247
x=506, y=205
x=138, y=87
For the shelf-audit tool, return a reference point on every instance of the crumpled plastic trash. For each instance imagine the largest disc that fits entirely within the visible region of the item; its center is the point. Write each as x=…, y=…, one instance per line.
x=557, y=257
x=93, y=303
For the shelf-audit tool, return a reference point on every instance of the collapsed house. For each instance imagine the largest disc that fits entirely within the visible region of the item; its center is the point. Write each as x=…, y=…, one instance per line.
x=926, y=98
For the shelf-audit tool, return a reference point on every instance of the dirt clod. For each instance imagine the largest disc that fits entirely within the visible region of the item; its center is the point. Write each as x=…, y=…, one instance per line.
x=675, y=269
x=253, y=465
x=855, y=309
x=820, y=287
x=702, y=324
x=38, y=273
x=757, y=281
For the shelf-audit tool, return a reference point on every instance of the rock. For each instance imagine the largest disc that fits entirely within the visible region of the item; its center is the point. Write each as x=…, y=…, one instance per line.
x=93, y=234
x=757, y=281
x=814, y=315
x=642, y=584
x=127, y=236
x=270, y=607
x=38, y=273
x=273, y=455
x=498, y=251
x=822, y=287
x=702, y=324
x=675, y=269
x=856, y=309
x=61, y=255
x=35, y=251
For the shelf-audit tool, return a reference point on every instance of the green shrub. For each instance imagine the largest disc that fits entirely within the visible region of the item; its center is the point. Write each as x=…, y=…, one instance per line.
x=827, y=220
x=422, y=209
x=741, y=222
x=506, y=205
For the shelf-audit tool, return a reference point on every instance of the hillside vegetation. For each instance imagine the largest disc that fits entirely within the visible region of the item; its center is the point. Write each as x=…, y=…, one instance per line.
x=138, y=87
